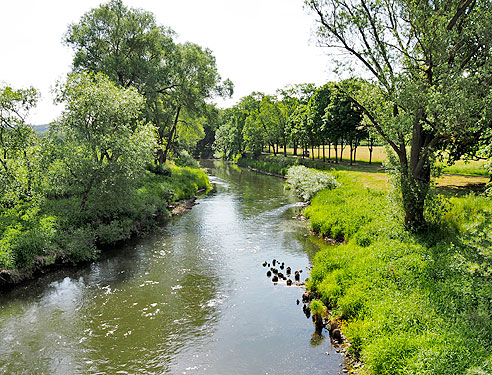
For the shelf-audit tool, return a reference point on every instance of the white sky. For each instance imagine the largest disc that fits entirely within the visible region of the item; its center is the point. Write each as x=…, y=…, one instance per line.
x=261, y=45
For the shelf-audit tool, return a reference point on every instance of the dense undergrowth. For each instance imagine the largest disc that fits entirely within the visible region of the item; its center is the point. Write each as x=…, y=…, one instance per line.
x=408, y=304
x=58, y=229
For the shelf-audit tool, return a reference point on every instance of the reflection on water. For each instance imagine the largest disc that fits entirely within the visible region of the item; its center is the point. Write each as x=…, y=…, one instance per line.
x=191, y=298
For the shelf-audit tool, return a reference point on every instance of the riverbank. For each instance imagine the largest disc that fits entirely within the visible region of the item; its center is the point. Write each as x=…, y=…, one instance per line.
x=406, y=304
x=57, y=232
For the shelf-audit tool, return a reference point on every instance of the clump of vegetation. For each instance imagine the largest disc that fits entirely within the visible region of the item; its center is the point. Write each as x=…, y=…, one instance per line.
x=305, y=182
x=409, y=304
x=318, y=311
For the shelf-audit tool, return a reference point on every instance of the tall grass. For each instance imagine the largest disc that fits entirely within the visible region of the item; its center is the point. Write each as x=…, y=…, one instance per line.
x=407, y=304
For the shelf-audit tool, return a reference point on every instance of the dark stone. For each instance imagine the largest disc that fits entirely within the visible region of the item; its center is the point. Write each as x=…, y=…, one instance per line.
x=306, y=297
x=288, y=270
x=264, y=264
x=274, y=261
x=336, y=335
x=282, y=266
x=297, y=276
x=269, y=273
x=280, y=275
x=289, y=283
x=275, y=278
x=275, y=271
x=298, y=302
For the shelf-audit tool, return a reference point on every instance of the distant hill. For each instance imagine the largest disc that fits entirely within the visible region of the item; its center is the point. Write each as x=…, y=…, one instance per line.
x=41, y=128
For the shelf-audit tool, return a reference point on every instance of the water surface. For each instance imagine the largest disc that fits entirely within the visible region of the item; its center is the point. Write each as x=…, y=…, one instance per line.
x=191, y=298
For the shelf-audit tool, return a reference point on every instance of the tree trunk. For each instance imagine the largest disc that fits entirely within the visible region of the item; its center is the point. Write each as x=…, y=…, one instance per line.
x=370, y=151
x=324, y=159
x=170, y=137
x=336, y=151
x=312, y=151
x=295, y=146
x=416, y=176
x=329, y=151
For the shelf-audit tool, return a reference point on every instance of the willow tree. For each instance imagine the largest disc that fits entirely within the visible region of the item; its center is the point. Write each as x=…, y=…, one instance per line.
x=128, y=46
x=430, y=66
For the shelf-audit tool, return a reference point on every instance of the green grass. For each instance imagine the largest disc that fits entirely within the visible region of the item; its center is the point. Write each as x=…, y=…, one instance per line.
x=408, y=304
x=467, y=168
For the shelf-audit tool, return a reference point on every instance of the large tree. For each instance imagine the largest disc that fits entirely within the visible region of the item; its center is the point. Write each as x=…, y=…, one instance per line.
x=101, y=146
x=430, y=63
x=129, y=47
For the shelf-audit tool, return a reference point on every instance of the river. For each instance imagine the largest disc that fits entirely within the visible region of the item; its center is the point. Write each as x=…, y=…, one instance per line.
x=191, y=298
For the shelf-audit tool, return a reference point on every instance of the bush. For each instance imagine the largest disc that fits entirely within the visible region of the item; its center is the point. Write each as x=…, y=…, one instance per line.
x=306, y=183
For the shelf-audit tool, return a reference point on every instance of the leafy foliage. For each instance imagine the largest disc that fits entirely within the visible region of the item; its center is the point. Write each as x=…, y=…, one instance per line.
x=306, y=183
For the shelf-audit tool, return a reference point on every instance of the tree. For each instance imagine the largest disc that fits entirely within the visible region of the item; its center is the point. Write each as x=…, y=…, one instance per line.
x=101, y=147
x=17, y=145
x=316, y=118
x=296, y=98
x=343, y=121
x=129, y=47
x=431, y=69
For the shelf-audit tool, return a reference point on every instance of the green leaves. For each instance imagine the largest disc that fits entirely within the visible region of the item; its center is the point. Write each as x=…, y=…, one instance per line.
x=103, y=145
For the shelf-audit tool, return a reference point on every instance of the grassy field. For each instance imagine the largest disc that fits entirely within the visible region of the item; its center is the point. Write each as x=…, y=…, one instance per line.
x=461, y=167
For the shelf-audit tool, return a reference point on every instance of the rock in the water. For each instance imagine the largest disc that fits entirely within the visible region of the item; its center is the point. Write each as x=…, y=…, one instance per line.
x=275, y=271
x=280, y=275
x=289, y=283
x=336, y=335
x=275, y=278
x=265, y=264
x=298, y=302
x=273, y=262
x=297, y=276
x=269, y=273
x=288, y=270
x=282, y=266
x=306, y=297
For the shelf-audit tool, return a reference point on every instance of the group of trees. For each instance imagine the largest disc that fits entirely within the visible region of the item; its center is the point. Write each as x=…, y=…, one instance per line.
x=299, y=116
x=430, y=68
x=421, y=80
x=134, y=98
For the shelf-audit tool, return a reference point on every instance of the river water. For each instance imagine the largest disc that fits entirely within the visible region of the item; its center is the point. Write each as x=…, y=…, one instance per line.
x=191, y=298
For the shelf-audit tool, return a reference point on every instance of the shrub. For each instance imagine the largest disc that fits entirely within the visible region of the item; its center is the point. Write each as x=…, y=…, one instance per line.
x=306, y=183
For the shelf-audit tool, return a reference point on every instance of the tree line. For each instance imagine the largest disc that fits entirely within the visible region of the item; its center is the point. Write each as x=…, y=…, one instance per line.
x=302, y=116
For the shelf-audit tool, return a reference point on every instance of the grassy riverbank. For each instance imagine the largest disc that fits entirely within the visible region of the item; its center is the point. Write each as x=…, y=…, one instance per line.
x=408, y=304
x=58, y=230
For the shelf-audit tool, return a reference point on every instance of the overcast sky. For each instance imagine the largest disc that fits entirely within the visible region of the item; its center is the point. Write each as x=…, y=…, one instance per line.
x=261, y=45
